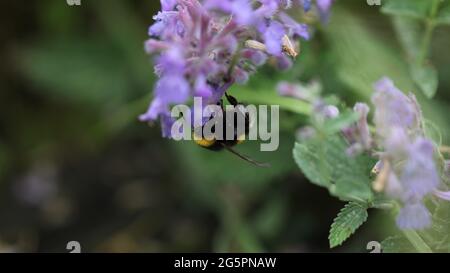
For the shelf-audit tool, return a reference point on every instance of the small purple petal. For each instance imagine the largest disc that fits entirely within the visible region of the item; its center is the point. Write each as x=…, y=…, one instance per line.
x=295, y=29
x=155, y=109
x=240, y=76
x=166, y=125
x=202, y=89
x=393, y=108
x=306, y=5
x=443, y=194
x=172, y=89
x=363, y=127
x=167, y=5
x=257, y=57
x=273, y=36
x=414, y=216
x=306, y=133
x=284, y=62
x=420, y=176
x=324, y=7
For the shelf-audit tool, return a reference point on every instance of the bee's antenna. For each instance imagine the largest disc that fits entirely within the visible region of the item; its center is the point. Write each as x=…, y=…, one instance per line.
x=232, y=100
x=246, y=158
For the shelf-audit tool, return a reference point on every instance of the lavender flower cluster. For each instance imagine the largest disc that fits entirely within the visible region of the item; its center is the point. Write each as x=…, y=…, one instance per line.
x=407, y=169
x=205, y=46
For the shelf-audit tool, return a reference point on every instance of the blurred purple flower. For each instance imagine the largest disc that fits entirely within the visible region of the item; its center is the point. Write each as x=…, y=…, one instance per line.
x=412, y=173
x=393, y=108
x=294, y=28
x=413, y=216
x=420, y=176
x=323, y=111
x=306, y=92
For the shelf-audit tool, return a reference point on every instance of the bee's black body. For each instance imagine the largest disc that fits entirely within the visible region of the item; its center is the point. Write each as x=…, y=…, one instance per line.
x=218, y=144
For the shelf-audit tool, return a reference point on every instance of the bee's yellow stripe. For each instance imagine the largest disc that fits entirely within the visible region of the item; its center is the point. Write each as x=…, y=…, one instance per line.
x=205, y=143
x=241, y=139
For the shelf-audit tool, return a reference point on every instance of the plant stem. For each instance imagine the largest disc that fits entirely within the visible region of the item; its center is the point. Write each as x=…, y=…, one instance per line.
x=272, y=98
x=429, y=28
x=418, y=243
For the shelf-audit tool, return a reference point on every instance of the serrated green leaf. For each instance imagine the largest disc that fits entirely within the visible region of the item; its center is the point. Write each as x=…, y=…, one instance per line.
x=309, y=160
x=426, y=77
x=349, y=187
x=326, y=164
x=349, y=219
x=396, y=244
x=411, y=8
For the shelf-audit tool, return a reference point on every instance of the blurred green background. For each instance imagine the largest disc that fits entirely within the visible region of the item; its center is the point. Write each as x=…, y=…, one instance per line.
x=75, y=163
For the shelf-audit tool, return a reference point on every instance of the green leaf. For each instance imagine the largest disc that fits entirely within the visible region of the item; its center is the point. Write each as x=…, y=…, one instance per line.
x=349, y=219
x=349, y=187
x=309, y=160
x=396, y=244
x=409, y=32
x=411, y=8
x=268, y=96
x=426, y=77
x=326, y=164
x=443, y=16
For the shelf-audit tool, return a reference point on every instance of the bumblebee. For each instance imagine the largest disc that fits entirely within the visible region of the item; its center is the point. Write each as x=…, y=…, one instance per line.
x=238, y=137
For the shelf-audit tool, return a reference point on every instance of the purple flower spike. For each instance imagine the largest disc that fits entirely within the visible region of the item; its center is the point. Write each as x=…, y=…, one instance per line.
x=198, y=43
